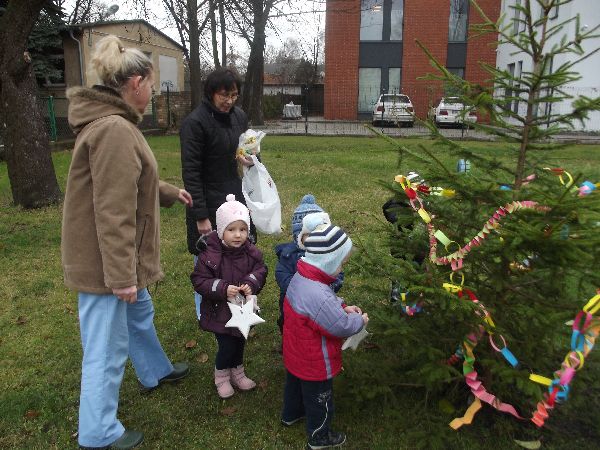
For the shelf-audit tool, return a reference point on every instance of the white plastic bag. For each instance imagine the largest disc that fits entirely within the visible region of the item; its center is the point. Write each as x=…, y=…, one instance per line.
x=249, y=142
x=262, y=198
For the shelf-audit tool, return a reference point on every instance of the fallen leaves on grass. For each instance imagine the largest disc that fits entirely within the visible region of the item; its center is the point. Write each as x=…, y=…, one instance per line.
x=32, y=414
x=229, y=411
x=190, y=344
x=202, y=358
x=21, y=320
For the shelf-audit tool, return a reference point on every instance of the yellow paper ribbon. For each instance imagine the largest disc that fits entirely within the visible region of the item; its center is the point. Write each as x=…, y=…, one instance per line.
x=540, y=379
x=467, y=419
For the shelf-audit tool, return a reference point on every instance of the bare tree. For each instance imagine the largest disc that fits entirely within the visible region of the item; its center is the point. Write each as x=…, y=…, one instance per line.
x=30, y=169
x=251, y=18
x=82, y=11
x=213, y=33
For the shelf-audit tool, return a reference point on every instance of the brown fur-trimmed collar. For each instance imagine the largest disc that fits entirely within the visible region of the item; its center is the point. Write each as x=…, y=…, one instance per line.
x=107, y=95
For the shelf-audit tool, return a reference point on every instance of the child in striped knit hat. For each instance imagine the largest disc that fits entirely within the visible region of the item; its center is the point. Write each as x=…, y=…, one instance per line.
x=289, y=253
x=316, y=322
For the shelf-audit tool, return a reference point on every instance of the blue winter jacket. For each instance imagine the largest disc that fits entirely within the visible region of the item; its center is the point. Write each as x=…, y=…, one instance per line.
x=288, y=255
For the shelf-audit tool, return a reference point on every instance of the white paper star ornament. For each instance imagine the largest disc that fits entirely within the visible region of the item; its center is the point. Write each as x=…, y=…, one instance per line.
x=353, y=341
x=243, y=317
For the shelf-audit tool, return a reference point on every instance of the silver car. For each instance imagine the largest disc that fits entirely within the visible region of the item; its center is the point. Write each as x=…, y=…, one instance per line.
x=394, y=108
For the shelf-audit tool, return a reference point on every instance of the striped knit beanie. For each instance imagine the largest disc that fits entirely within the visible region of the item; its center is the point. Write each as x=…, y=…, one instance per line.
x=326, y=245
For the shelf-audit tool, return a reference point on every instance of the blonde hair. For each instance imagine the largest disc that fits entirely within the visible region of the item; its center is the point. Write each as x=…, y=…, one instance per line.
x=115, y=64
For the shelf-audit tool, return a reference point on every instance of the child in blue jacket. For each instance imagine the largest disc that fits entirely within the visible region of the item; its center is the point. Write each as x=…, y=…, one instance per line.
x=289, y=253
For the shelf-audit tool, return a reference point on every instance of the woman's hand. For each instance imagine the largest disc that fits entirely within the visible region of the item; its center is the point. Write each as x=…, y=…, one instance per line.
x=353, y=309
x=365, y=319
x=185, y=198
x=245, y=160
x=127, y=294
x=204, y=226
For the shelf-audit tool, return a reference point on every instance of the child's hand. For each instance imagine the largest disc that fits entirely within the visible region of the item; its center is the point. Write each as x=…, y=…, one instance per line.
x=232, y=290
x=365, y=318
x=246, y=289
x=353, y=309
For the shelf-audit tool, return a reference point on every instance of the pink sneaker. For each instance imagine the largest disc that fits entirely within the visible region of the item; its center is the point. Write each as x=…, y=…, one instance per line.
x=240, y=380
x=222, y=381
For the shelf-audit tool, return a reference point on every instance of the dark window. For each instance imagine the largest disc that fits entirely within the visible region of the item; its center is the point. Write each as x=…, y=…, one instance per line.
x=369, y=88
x=458, y=20
x=396, y=19
x=395, y=99
x=516, y=17
x=450, y=89
x=371, y=20
x=381, y=20
x=515, y=105
x=394, y=78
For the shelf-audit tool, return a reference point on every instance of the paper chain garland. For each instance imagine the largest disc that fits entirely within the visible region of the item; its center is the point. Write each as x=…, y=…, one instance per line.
x=585, y=327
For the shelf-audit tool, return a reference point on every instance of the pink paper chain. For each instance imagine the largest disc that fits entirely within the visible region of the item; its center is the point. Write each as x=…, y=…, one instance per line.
x=455, y=259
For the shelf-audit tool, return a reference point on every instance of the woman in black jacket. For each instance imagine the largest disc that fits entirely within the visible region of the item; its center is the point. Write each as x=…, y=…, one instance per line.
x=209, y=140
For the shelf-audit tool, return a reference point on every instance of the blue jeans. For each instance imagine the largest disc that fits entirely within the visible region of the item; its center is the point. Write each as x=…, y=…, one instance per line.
x=197, y=297
x=111, y=330
x=313, y=399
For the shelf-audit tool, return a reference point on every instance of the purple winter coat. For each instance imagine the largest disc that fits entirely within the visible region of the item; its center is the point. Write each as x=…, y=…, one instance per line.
x=219, y=266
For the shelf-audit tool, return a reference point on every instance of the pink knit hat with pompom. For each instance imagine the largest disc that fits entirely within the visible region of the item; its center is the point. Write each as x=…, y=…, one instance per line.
x=229, y=212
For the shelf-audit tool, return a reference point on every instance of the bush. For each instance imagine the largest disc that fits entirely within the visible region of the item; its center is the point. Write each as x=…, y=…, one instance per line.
x=272, y=107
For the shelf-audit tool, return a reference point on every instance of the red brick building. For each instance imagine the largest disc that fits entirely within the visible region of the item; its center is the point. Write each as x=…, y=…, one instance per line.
x=371, y=48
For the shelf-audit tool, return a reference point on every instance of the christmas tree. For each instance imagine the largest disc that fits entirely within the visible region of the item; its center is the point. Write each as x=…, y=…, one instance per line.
x=488, y=265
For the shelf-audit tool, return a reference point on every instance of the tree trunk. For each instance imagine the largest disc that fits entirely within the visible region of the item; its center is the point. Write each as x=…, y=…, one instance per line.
x=253, y=83
x=30, y=169
x=194, y=35
x=223, y=34
x=213, y=34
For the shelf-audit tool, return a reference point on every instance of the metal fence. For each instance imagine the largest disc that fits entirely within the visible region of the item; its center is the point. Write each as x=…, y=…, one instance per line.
x=166, y=111
x=55, y=111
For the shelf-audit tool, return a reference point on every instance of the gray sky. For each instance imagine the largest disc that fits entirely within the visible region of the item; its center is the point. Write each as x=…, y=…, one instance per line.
x=303, y=27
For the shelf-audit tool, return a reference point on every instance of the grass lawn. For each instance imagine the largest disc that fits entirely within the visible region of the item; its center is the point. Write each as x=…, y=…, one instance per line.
x=40, y=351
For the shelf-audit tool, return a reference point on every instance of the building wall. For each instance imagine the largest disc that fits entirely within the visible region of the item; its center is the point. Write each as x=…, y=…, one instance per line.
x=133, y=35
x=481, y=48
x=425, y=21
x=589, y=83
x=430, y=29
x=342, y=33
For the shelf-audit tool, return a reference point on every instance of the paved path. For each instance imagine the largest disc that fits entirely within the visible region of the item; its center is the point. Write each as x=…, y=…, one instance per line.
x=319, y=127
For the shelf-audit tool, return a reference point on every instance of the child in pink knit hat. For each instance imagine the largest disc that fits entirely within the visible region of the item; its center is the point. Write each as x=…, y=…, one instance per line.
x=230, y=266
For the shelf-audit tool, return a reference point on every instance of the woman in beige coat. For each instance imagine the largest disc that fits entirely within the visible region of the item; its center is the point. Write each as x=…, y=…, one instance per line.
x=110, y=240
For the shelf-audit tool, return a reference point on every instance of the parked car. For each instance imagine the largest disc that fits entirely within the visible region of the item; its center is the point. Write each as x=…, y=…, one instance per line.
x=394, y=108
x=451, y=111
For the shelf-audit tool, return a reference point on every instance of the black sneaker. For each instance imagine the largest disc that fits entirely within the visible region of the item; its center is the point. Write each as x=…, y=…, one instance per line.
x=180, y=370
x=329, y=440
x=289, y=423
x=130, y=439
